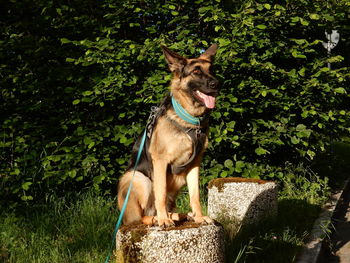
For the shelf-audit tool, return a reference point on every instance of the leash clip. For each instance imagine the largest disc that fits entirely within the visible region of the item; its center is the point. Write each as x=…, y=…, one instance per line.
x=198, y=131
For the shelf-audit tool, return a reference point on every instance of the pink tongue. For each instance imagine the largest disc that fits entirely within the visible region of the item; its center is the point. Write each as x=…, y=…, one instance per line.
x=209, y=101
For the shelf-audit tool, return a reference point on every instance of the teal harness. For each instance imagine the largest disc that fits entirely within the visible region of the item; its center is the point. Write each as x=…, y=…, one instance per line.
x=183, y=114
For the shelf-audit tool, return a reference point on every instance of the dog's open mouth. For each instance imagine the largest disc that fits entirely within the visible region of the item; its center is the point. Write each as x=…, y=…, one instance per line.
x=207, y=100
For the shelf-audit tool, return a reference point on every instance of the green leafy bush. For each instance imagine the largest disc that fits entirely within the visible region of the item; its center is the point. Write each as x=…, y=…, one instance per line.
x=78, y=81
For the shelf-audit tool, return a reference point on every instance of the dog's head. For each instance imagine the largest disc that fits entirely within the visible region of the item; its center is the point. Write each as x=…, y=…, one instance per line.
x=193, y=84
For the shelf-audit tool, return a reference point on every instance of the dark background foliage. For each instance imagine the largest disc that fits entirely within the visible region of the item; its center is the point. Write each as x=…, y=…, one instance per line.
x=78, y=79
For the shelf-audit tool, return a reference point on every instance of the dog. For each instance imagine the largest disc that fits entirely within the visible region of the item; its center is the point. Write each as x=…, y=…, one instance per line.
x=174, y=146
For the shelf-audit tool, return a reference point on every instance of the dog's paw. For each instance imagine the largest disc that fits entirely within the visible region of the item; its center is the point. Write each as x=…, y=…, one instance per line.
x=201, y=219
x=166, y=222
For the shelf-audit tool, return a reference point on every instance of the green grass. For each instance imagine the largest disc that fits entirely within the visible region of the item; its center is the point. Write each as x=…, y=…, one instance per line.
x=60, y=231
x=78, y=228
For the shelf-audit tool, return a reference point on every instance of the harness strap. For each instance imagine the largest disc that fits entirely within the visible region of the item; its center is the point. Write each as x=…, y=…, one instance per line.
x=193, y=135
x=156, y=112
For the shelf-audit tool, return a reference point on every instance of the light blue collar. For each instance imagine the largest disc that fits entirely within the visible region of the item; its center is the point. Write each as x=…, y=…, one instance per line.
x=183, y=114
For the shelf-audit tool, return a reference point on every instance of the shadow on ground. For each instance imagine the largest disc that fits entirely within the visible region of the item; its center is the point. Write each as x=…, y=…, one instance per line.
x=274, y=240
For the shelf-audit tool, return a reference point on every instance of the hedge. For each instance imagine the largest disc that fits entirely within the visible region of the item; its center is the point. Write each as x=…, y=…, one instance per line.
x=79, y=78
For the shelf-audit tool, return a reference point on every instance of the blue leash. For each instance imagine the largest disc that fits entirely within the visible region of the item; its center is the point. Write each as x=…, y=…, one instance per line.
x=119, y=222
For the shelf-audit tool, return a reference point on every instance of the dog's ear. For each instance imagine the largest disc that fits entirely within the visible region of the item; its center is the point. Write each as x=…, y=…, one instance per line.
x=175, y=61
x=210, y=53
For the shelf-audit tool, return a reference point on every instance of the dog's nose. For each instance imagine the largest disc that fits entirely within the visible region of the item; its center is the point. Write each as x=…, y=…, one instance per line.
x=213, y=83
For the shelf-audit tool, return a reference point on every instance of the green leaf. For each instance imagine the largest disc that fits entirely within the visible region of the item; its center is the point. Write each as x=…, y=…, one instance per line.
x=87, y=93
x=340, y=90
x=295, y=140
x=224, y=42
x=304, y=22
x=239, y=165
x=301, y=72
x=300, y=127
x=218, y=139
x=296, y=54
x=26, y=197
x=311, y=154
x=267, y=6
x=16, y=171
x=75, y=102
x=87, y=140
x=228, y=163
x=295, y=19
x=202, y=10
x=65, y=41
x=261, y=26
x=223, y=174
x=26, y=185
x=99, y=179
x=260, y=151
x=59, y=11
x=91, y=144
x=72, y=173
x=314, y=16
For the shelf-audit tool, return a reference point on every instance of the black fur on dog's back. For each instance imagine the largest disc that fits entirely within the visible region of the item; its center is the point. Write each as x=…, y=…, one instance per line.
x=145, y=164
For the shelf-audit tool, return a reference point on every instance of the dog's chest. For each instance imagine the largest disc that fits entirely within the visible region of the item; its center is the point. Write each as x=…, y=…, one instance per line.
x=177, y=146
x=197, y=145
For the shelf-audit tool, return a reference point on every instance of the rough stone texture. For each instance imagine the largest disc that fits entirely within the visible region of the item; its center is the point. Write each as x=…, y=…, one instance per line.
x=188, y=243
x=237, y=201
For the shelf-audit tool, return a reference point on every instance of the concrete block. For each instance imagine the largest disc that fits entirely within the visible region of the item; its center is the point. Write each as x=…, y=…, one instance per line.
x=186, y=243
x=239, y=201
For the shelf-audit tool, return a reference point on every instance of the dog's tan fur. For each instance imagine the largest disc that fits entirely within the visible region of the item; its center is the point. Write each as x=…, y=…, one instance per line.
x=156, y=196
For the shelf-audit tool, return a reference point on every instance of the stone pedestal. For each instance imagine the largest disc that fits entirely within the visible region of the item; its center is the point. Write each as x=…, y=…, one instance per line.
x=238, y=201
x=186, y=243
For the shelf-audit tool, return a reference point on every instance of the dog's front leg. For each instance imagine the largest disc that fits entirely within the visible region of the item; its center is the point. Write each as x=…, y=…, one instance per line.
x=193, y=189
x=160, y=192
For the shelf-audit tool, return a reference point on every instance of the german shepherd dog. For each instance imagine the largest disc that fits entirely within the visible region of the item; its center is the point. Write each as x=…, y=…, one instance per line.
x=173, y=152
